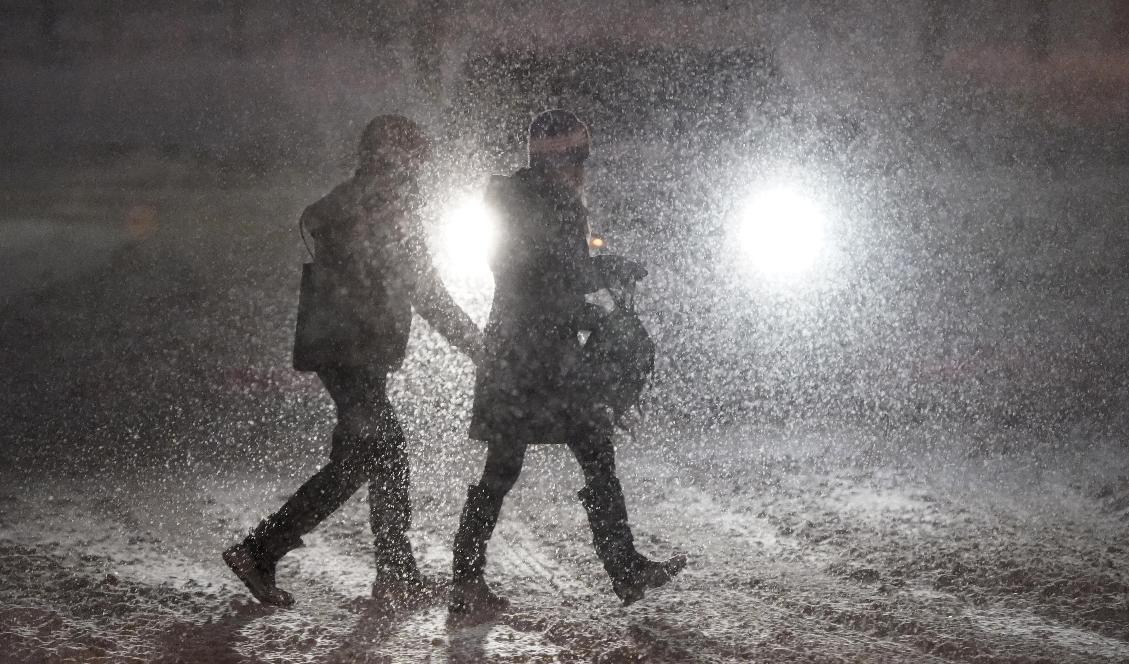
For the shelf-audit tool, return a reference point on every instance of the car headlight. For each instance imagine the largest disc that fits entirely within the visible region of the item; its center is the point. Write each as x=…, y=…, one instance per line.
x=466, y=236
x=781, y=231
x=469, y=233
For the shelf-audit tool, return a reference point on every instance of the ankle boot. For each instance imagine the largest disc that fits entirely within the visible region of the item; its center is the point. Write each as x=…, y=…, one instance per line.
x=254, y=560
x=398, y=579
x=469, y=592
x=631, y=573
x=656, y=573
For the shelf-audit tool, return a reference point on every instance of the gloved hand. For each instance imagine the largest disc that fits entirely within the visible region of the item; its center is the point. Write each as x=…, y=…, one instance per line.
x=619, y=269
x=591, y=316
x=476, y=349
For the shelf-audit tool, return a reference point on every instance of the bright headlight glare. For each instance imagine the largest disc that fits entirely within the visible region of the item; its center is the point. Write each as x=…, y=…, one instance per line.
x=469, y=234
x=781, y=231
x=466, y=237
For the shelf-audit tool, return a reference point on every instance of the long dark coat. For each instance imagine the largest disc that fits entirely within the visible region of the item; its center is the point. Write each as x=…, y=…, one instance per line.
x=530, y=387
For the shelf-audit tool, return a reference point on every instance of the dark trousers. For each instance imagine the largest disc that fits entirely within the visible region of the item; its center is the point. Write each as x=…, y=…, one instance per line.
x=602, y=498
x=368, y=446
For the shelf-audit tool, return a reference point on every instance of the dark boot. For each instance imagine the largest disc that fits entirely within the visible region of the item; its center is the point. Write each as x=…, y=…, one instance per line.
x=656, y=573
x=254, y=559
x=631, y=573
x=398, y=579
x=469, y=592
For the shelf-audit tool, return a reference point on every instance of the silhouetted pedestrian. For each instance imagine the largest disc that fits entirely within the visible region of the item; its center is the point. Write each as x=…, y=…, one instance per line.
x=532, y=386
x=370, y=268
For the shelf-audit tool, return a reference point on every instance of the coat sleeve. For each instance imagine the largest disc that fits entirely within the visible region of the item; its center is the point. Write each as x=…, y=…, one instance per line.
x=537, y=243
x=608, y=270
x=312, y=225
x=517, y=251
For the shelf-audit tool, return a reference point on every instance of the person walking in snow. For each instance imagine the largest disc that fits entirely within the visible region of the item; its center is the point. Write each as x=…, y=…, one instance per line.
x=372, y=266
x=530, y=385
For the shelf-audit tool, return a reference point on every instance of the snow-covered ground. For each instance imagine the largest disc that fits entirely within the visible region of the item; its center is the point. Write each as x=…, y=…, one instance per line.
x=825, y=547
x=149, y=418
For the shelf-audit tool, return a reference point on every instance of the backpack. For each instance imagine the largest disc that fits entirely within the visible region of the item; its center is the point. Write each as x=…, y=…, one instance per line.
x=619, y=356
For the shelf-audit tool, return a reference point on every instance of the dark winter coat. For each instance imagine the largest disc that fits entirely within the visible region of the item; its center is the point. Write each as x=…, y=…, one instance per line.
x=369, y=243
x=530, y=387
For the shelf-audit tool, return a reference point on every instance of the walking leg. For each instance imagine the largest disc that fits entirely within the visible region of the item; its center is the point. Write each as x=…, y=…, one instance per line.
x=469, y=591
x=602, y=497
x=398, y=579
x=254, y=559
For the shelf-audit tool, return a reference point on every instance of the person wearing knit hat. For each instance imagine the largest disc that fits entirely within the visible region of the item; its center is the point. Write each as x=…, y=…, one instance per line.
x=558, y=138
x=531, y=386
x=371, y=261
x=388, y=140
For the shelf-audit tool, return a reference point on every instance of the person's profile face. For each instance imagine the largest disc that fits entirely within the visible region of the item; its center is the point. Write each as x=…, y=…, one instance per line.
x=415, y=162
x=573, y=174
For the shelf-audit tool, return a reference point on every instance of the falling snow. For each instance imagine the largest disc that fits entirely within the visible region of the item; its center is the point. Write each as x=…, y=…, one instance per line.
x=886, y=250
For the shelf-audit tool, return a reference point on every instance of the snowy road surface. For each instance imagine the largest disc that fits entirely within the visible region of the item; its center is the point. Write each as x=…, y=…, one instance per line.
x=815, y=555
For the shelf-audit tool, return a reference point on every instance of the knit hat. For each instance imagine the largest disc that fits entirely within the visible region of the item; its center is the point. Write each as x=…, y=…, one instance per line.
x=558, y=136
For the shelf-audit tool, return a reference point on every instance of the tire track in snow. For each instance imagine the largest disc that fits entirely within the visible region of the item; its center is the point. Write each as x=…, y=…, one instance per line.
x=1030, y=627
x=717, y=641
x=811, y=559
x=517, y=558
x=523, y=549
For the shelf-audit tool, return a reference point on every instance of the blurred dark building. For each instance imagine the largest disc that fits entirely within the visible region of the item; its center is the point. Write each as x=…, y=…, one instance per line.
x=58, y=29
x=286, y=75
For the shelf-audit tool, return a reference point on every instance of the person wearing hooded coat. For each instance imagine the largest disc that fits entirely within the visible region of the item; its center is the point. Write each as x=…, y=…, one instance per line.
x=372, y=261
x=531, y=386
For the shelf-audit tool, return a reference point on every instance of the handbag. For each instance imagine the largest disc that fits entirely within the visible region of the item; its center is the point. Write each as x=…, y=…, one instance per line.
x=320, y=330
x=314, y=345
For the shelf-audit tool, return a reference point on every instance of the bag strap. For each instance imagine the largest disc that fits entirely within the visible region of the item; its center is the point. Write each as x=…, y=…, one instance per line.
x=302, y=233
